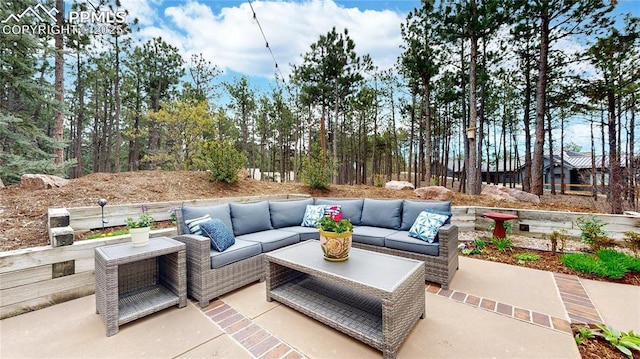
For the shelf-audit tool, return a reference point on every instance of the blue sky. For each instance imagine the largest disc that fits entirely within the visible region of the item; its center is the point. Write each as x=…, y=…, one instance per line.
x=226, y=34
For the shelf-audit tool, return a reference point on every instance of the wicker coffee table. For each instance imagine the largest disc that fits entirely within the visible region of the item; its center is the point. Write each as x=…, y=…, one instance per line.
x=373, y=297
x=132, y=282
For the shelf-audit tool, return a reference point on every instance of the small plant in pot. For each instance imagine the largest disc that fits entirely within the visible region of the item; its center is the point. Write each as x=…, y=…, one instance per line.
x=139, y=228
x=335, y=235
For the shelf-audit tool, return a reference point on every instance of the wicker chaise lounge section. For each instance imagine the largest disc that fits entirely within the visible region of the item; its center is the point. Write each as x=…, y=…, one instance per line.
x=205, y=283
x=438, y=269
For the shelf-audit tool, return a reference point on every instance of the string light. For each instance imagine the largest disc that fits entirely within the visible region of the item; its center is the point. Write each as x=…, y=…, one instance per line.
x=255, y=18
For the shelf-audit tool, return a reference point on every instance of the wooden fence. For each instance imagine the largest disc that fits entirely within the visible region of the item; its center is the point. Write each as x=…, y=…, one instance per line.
x=34, y=278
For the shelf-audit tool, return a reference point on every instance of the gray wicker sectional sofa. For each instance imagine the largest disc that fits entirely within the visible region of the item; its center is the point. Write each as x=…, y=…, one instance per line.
x=380, y=225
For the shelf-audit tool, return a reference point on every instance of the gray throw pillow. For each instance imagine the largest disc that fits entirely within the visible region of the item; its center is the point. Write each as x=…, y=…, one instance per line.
x=411, y=210
x=383, y=213
x=250, y=217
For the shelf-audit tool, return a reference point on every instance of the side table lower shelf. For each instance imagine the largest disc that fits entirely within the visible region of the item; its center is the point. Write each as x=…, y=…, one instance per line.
x=142, y=302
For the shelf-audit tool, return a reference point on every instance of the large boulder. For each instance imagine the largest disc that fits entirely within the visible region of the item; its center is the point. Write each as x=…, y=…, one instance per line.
x=40, y=181
x=399, y=185
x=509, y=194
x=436, y=193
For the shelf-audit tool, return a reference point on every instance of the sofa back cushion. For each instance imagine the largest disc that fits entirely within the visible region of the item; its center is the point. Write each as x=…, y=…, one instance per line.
x=350, y=208
x=412, y=209
x=220, y=211
x=383, y=213
x=250, y=217
x=288, y=213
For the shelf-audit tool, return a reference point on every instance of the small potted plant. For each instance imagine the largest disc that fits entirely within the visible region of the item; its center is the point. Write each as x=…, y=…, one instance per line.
x=139, y=229
x=335, y=235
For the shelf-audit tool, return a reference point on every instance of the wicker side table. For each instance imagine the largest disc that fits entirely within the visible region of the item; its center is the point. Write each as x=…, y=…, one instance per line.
x=132, y=282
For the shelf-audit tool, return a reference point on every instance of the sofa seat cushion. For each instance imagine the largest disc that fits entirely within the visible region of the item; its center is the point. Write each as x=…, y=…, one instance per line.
x=401, y=240
x=236, y=252
x=250, y=217
x=220, y=211
x=350, y=208
x=412, y=209
x=272, y=239
x=383, y=213
x=371, y=235
x=305, y=233
x=287, y=213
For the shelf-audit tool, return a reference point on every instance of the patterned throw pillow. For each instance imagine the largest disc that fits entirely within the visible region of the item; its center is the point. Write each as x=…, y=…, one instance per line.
x=312, y=215
x=427, y=225
x=332, y=210
x=220, y=235
x=194, y=224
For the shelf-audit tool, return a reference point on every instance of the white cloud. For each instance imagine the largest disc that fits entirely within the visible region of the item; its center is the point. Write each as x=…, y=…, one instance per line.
x=232, y=40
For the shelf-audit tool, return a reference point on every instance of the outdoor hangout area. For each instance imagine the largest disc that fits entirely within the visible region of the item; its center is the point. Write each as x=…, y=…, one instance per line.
x=263, y=277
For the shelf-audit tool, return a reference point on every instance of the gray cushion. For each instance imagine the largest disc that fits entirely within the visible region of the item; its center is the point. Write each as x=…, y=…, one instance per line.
x=411, y=210
x=351, y=208
x=371, y=235
x=238, y=251
x=273, y=239
x=287, y=213
x=250, y=217
x=383, y=213
x=219, y=211
x=305, y=233
x=401, y=240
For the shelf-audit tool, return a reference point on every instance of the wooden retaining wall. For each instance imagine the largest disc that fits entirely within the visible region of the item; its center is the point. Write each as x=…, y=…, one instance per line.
x=34, y=278
x=537, y=223
x=38, y=277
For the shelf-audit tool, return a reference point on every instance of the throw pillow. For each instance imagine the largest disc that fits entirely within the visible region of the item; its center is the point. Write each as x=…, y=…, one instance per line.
x=312, y=215
x=220, y=235
x=194, y=224
x=427, y=225
x=332, y=210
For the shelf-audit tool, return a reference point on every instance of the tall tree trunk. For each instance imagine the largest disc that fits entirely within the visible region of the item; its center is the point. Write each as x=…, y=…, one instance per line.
x=472, y=167
x=615, y=189
x=537, y=162
x=552, y=167
x=79, y=116
x=116, y=97
x=58, y=116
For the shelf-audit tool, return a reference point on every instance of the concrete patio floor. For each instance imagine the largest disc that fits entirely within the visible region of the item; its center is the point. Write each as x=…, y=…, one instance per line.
x=491, y=310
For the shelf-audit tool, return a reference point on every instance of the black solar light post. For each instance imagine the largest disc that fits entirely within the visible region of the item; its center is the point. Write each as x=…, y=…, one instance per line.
x=103, y=202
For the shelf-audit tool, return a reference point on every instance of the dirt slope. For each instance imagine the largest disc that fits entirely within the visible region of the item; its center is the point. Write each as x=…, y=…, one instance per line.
x=23, y=213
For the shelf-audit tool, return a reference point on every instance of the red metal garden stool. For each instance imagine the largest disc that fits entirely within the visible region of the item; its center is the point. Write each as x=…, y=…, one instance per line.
x=499, y=218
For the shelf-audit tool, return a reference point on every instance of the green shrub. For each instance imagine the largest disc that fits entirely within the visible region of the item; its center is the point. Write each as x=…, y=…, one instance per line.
x=222, y=161
x=315, y=175
x=591, y=228
x=503, y=244
x=606, y=264
x=629, y=262
x=624, y=342
x=523, y=257
x=632, y=239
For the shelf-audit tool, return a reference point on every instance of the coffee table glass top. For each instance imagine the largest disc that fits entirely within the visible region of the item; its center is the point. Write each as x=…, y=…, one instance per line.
x=373, y=269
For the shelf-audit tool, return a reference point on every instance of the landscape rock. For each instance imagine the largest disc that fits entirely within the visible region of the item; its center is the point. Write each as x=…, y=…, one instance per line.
x=437, y=193
x=399, y=185
x=40, y=181
x=509, y=194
